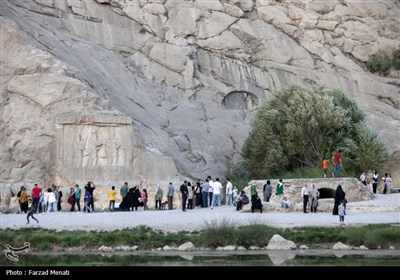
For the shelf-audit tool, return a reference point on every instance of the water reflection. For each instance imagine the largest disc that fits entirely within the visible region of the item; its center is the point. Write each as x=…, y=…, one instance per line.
x=279, y=257
x=213, y=258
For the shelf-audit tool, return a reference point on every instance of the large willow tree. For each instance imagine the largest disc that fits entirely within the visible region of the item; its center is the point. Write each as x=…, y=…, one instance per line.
x=297, y=127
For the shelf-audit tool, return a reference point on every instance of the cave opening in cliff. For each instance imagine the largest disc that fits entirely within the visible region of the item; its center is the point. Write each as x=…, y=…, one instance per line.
x=240, y=100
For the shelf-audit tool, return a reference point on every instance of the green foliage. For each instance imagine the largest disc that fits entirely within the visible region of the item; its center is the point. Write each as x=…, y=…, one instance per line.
x=296, y=128
x=373, y=235
x=238, y=175
x=215, y=233
x=379, y=63
x=365, y=150
x=218, y=233
x=396, y=59
x=254, y=234
x=313, y=172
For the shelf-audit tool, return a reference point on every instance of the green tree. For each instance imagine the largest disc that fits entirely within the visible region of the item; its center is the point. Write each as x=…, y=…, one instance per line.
x=365, y=151
x=297, y=127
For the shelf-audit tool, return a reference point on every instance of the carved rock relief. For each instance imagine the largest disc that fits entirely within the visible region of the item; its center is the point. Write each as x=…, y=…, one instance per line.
x=97, y=147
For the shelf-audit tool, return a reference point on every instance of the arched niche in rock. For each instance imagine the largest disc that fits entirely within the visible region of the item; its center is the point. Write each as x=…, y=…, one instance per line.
x=240, y=100
x=326, y=193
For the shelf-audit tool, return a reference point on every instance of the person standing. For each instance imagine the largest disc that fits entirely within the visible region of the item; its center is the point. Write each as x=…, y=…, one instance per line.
x=124, y=190
x=158, y=197
x=184, y=191
x=36, y=192
x=304, y=195
x=144, y=200
x=267, y=191
x=375, y=181
x=217, y=187
x=279, y=188
x=337, y=161
x=339, y=197
x=59, y=196
x=341, y=212
x=363, y=179
x=170, y=195
x=253, y=191
x=137, y=198
x=199, y=197
x=190, y=196
x=325, y=165
x=23, y=200
x=204, y=195
x=90, y=187
x=210, y=189
x=228, y=192
x=111, y=196
x=52, y=200
x=313, y=197
x=71, y=199
x=387, y=183
x=86, y=199
x=78, y=194
x=234, y=195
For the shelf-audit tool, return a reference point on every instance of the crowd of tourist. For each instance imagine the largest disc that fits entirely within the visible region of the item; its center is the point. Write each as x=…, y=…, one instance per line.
x=207, y=193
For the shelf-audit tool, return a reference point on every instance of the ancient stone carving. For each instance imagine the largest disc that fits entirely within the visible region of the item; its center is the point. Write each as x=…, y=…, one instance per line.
x=117, y=151
x=98, y=146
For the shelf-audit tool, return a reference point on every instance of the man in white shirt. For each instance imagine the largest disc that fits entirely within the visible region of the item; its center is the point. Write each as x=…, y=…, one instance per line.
x=304, y=195
x=217, y=187
x=228, y=193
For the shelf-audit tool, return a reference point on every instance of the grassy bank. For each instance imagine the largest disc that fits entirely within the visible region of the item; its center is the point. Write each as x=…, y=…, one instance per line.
x=213, y=235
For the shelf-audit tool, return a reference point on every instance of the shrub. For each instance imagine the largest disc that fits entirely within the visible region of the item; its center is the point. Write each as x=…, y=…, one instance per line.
x=396, y=59
x=218, y=233
x=379, y=63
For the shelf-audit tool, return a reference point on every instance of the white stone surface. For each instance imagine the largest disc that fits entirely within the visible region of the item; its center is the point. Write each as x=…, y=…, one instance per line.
x=176, y=220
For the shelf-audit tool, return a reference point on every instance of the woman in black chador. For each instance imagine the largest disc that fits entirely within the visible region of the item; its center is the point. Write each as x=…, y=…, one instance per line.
x=339, y=197
x=127, y=201
x=136, y=196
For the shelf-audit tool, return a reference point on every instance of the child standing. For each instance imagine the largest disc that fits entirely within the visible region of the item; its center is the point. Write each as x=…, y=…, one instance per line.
x=325, y=167
x=144, y=200
x=30, y=212
x=111, y=197
x=341, y=212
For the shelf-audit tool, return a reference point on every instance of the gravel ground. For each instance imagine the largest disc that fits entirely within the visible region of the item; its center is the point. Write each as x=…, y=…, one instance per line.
x=382, y=209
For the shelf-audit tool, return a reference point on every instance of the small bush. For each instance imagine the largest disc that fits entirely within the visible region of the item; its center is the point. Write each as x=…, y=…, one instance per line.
x=254, y=234
x=379, y=63
x=218, y=233
x=396, y=59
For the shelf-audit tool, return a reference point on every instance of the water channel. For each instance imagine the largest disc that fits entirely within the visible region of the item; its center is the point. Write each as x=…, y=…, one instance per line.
x=211, y=258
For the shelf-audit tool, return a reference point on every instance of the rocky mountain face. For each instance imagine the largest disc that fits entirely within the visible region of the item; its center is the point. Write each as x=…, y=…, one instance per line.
x=153, y=91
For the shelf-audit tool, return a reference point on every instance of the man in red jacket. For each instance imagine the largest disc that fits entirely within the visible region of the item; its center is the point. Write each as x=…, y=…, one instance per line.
x=36, y=192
